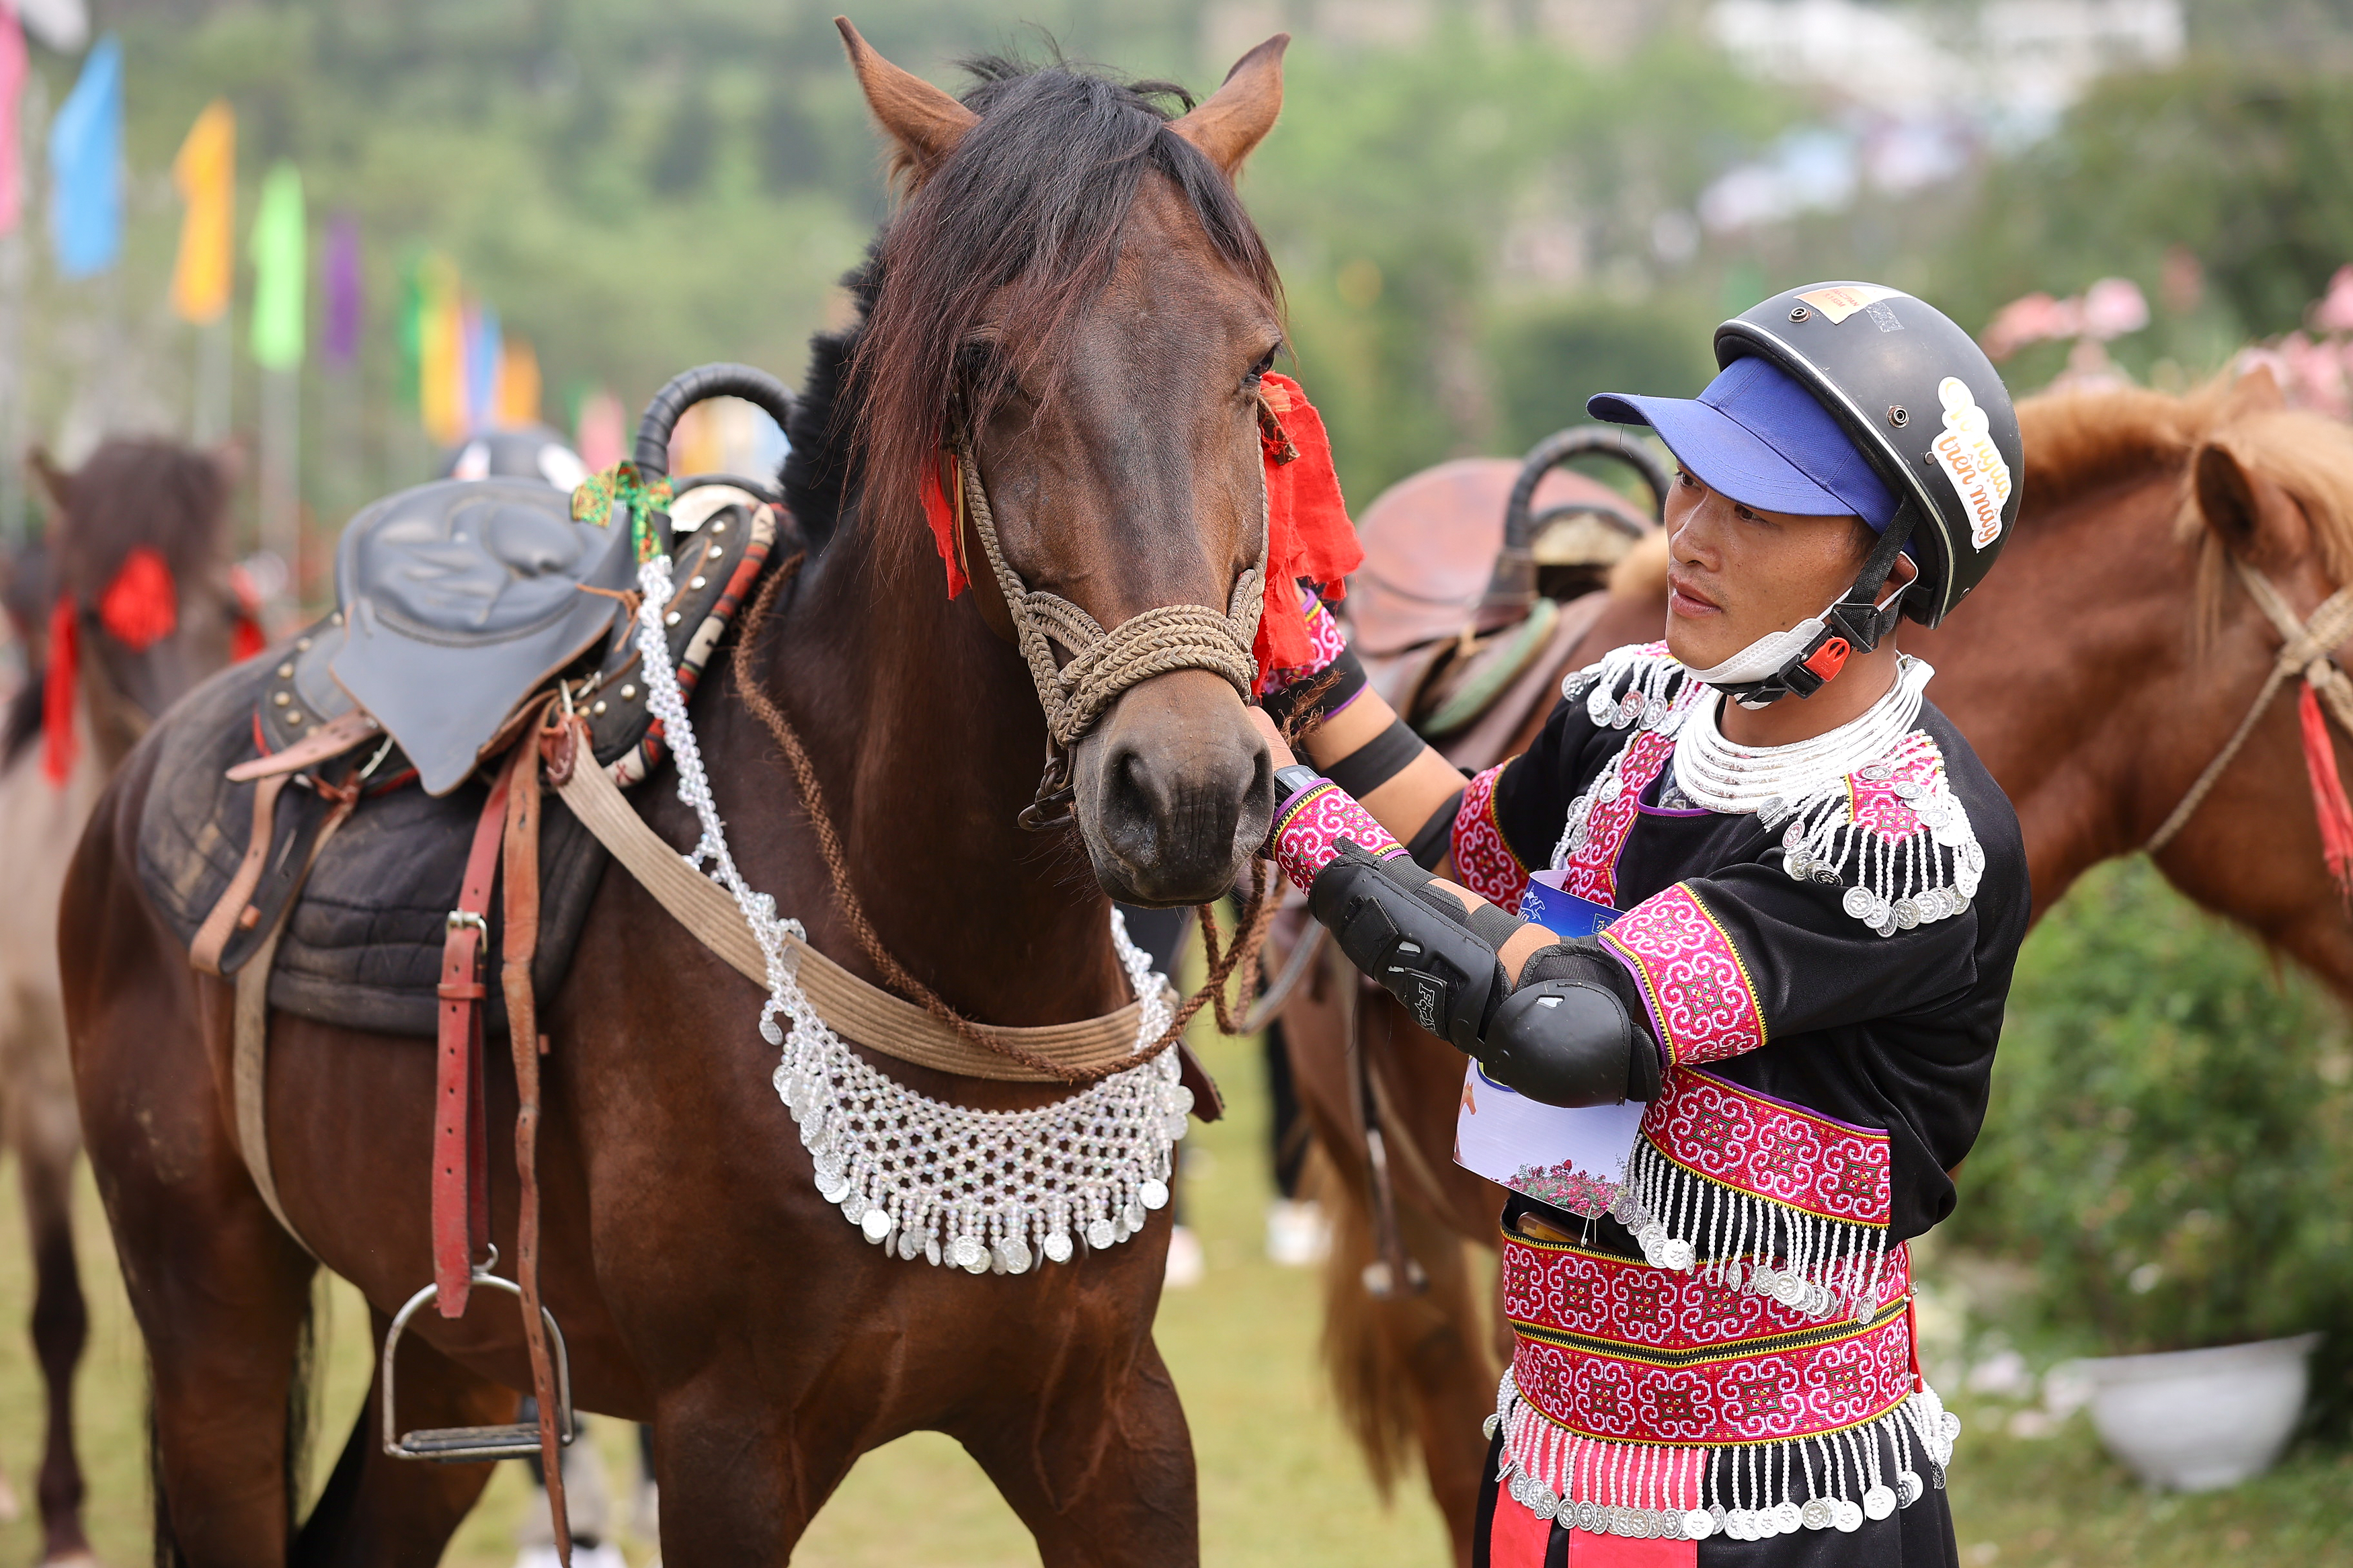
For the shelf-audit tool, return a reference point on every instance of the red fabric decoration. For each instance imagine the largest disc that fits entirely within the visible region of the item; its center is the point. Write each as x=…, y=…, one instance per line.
x=943, y=519
x=142, y=605
x=2328, y=802
x=59, y=745
x=245, y=635
x=1308, y=535
x=245, y=639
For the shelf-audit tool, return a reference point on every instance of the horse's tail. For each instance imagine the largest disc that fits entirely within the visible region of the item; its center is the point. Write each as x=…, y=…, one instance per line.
x=1371, y=1385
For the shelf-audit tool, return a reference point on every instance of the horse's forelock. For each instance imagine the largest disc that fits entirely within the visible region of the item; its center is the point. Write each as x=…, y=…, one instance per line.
x=1031, y=202
x=134, y=492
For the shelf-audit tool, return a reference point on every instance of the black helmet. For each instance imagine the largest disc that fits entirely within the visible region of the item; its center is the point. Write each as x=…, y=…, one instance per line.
x=528, y=452
x=1926, y=408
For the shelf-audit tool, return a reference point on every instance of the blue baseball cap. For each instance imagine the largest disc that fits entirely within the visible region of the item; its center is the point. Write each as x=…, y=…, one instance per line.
x=1758, y=436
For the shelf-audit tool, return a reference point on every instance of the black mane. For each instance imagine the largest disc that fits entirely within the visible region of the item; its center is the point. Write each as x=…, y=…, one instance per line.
x=1031, y=202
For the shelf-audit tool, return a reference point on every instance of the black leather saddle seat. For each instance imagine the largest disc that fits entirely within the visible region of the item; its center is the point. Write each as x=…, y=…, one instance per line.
x=426, y=624
x=457, y=600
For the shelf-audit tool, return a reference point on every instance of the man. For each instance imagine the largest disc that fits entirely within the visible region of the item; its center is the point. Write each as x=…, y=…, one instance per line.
x=1809, y=896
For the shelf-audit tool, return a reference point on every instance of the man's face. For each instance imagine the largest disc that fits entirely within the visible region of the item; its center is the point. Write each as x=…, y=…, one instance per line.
x=1735, y=574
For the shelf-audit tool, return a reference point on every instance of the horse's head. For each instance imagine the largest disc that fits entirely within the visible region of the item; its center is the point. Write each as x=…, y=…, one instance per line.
x=136, y=558
x=1073, y=295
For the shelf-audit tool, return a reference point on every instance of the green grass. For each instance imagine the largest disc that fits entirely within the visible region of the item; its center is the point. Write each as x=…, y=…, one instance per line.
x=1279, y=1483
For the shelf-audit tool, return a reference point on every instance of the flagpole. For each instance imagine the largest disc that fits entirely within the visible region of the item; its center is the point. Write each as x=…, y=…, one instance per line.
x=282, y=434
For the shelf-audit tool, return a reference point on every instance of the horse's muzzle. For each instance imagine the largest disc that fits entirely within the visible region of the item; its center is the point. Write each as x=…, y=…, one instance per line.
x=1175, y=789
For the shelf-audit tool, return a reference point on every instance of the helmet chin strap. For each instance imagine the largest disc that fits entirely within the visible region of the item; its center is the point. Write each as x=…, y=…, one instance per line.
x=1802, y=659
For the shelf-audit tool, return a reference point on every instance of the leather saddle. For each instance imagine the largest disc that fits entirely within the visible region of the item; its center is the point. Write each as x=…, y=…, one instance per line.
x=461, y=604
x=1478, y=579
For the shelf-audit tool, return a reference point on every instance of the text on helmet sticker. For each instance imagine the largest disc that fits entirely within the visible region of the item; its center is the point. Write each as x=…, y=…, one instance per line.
x=1965, y=450
x=1844, y=300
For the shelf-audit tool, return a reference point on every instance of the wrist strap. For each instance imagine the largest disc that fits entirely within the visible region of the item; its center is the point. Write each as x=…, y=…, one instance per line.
x=1378, y=761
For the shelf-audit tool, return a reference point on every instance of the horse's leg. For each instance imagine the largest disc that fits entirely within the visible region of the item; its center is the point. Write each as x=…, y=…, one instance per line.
x=382, y=1512
x=221, y=1293
x=46, y=1132
x=1099, y=1465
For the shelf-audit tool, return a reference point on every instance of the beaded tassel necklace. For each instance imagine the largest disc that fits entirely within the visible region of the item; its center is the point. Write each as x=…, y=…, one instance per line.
x=987, y=1192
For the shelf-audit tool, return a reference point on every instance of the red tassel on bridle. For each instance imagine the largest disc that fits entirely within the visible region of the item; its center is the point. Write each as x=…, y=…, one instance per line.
x=58, y=747
x=142, y=606
x=2329, y=807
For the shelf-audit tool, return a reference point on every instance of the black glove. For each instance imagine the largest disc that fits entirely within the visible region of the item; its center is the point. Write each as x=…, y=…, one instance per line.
x=1564, y=1037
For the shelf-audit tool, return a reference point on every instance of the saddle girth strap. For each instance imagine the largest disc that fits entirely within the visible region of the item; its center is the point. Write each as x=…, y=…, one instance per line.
x=461, y=1198
x=518, y=944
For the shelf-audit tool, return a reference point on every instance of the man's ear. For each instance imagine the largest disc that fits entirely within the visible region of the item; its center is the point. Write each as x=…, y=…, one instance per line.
x=1236, y=118
x=923, y=123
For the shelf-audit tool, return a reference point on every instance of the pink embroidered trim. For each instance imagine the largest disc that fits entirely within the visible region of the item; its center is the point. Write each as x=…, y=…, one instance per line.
x=1592, y=872
x=1326, y=641
x=1611, y=1348
x=1483, y=861
x=1701, y=1003
x=1307, y=837
x=1875, y=803
x=1766, y=1148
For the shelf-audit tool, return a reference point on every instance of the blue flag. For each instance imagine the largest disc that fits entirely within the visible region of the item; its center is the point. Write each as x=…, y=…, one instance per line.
x=86, y=166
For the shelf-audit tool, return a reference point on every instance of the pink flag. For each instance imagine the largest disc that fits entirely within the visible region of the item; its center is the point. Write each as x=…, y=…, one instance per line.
x=12, y=83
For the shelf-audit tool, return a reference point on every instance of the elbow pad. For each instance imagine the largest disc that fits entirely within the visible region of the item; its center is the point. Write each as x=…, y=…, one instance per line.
x=1566, y=1037
x=1415, y=942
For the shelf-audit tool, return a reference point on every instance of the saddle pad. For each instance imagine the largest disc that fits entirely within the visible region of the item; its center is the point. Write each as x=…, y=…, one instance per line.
x=362, y=947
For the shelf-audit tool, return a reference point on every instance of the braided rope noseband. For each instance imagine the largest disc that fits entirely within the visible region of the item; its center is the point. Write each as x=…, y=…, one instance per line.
x=1102, y=665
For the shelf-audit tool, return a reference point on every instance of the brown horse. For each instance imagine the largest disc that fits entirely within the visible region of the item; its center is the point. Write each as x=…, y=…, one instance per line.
x=2099, y=672
x=1073, y=274
x=138, y=531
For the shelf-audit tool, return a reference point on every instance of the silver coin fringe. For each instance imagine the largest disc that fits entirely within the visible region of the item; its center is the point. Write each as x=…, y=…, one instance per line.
x=1892, y=884
x=1821, y=1267
x=984, y=1191
x=1751, y=1492
x=1630, y=687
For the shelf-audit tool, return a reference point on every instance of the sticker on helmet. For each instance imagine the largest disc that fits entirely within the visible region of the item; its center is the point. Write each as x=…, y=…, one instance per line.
x=1841, y=300
x=1965, y=450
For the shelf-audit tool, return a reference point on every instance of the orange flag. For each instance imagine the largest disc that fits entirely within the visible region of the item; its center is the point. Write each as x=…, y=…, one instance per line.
x=205, y=173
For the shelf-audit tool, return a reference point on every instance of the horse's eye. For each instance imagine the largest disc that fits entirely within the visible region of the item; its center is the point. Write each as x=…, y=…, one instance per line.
x=1265, y=362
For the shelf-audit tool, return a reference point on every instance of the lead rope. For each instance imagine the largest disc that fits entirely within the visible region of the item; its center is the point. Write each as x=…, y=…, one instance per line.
x=2305, y=652
x=1256, y=914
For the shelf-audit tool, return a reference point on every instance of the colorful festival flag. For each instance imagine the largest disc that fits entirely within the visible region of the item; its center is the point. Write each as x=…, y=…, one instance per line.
x=12, y=87
x=517, y=385
x=277, y=246
x=601, y=433
x=484, y=349
x=205, y=172
x=440, y=349
x=346, y=301
x=86, y=166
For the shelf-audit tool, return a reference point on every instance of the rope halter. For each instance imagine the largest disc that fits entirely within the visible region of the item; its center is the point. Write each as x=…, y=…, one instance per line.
x=1102, y=665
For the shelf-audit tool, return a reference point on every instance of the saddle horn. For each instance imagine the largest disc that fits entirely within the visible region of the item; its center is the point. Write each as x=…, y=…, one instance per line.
x=689, y=387
x=1514, y=582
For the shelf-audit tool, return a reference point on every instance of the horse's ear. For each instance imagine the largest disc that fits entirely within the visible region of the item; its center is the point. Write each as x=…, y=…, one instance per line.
x=230, y=460
x=924, y=122
x=2256, y=390
x=1236, y=118
x=2251, y=515
x=56, y=482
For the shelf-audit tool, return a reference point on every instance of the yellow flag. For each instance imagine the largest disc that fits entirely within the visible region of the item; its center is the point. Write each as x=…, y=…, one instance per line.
x=441, y=358
x=518, y=384
x=205, y=173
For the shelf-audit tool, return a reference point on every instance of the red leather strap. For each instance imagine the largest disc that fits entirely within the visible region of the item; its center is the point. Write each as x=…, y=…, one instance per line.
x=462, y=1193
